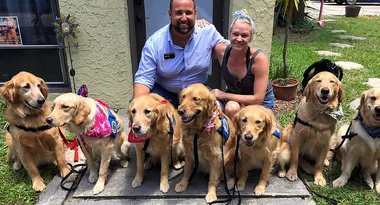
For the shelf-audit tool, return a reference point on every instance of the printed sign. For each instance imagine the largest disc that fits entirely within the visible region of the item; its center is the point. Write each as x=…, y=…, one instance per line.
x=10, y=31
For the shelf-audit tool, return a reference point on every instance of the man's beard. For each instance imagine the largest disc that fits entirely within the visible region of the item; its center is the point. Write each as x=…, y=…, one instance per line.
x=181, y=31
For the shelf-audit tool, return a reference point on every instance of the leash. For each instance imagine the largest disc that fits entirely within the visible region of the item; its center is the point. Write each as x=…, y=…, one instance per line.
x=71, y=144
x=196, y=160
x=73, y=169
x=327, y=198
x=348, y=135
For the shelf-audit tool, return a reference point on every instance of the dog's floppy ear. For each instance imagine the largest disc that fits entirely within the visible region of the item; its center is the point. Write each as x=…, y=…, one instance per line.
x=81, y=112
x=212, y=103
x=307, y=91
x=235, y=121
x=362, y=100
x=43, y=88
x=9, y=91
x=340, y=92
x=129, y=113
x=270, y=122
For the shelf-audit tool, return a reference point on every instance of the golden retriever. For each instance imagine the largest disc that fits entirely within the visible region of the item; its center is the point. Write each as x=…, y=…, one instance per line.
x=314, y=125
x=261, y=145
x=153, y=117
x=89, y=120
x=30, y=140
x=364, y=148
x=201, y=116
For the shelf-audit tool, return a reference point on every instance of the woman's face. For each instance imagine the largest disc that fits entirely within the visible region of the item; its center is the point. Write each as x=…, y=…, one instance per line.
x=240, y=35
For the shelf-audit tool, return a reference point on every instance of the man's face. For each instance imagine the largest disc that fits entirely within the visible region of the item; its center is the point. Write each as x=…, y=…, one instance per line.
x=182, y=16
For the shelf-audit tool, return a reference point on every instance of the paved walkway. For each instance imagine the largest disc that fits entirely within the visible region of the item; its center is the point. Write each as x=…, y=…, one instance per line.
x=118, y=189
x=332, y=9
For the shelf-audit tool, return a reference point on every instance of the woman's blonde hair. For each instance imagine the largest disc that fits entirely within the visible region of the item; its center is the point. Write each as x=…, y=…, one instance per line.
x=243, y=16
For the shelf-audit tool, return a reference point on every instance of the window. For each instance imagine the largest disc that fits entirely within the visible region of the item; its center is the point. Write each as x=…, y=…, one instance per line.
x=28, y=42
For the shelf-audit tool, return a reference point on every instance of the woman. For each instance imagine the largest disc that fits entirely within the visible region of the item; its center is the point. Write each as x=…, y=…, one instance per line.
x=245, y=70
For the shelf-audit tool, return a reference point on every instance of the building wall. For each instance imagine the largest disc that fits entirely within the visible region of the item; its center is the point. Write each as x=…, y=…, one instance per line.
x=103, y=60
x=262, y=11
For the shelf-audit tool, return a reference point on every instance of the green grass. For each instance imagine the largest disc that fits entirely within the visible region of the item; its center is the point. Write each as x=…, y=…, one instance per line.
x=301, y=54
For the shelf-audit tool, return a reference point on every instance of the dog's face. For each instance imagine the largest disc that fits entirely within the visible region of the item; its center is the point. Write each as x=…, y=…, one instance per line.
x=370, y=106
x=254, y=123
x=197, y=104
x=25, y=89
x=324, y=90
x=145, y=112
x=68, y=107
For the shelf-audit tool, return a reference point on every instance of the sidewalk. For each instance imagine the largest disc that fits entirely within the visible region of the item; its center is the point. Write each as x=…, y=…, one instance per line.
x=118, y=189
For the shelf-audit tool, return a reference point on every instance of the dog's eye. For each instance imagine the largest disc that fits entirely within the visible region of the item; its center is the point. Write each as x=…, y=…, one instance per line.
x=196, y=99
x=373, y=98
x=133, y=111
x=65, y=107
x=258, y=122
x=331, y=81
x=318, y=81
x=147, y=112
x=244, y=120
x=39, y=85
x=26, y=86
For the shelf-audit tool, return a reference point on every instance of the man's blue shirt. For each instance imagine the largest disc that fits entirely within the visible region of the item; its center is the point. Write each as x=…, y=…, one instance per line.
x=189, y=65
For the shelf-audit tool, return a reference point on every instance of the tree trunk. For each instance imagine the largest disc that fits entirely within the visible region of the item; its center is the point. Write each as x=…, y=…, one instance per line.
x=285, y=49
x=299, y=14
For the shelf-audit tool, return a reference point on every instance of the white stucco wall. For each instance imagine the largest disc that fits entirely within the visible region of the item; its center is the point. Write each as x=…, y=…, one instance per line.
x=103, y=60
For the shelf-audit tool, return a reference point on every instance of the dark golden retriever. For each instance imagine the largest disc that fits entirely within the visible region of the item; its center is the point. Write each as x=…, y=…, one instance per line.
x=364, y=148
x=90, y=119
x=315, y=123
x=201, y=116
x=31, y=142
x=261, y=146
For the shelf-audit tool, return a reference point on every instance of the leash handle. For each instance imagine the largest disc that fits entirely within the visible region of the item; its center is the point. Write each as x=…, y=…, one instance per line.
x=76, y=181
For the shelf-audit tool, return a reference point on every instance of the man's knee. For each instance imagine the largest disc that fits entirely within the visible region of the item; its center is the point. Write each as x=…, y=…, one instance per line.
x=232, y=108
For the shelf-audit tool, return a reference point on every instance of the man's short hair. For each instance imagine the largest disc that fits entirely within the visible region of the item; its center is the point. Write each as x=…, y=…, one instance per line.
x=171, y=4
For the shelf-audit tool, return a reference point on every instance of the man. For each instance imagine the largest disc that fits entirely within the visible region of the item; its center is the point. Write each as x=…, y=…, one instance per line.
x=177, y=55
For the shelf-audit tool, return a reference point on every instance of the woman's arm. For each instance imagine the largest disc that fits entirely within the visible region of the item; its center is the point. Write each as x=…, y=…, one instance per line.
x=218, y=52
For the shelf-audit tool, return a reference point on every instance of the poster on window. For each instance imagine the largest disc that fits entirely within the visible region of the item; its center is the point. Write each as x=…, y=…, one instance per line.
x=10, y=33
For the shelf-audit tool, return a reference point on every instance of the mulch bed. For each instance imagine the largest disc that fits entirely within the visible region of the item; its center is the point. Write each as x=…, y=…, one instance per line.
x=281, y=106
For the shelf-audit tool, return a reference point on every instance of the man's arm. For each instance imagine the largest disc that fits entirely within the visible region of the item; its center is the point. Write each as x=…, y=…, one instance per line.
x=140, y=89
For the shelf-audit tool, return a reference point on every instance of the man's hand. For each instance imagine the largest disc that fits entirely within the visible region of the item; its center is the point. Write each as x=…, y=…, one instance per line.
x=202, y=23
x=218, y=94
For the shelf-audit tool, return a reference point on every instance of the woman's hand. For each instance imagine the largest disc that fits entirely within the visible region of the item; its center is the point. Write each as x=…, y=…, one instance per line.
x=202, y=23
x=218, y=94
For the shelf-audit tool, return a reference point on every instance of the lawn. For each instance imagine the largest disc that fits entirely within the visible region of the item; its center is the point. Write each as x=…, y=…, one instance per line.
x=301, y=54
x=16, y=187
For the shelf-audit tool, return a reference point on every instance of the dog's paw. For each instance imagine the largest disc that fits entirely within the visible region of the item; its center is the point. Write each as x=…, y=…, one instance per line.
x=259, y=190
x=38, y=185
x=99, y=187
x=326, y=163
x=124, y=163
x=319, y=180
x=292, y=176
x=136, y=182
x=177, y=165
x=377, y=188
x=164, y=187
x=148, y=165
x=230, y=183
x=240, y=185
x=180, y=187
x=92, y=178
x=16, y=166
x=339, y=182
x=281, y=173
x=210, y=197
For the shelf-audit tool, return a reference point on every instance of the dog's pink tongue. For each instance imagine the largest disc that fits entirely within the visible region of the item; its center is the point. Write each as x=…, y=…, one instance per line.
x=377, y=116
x=132, y=138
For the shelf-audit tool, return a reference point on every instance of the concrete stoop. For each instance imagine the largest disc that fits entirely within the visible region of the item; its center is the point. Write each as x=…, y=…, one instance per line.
x=118, y=190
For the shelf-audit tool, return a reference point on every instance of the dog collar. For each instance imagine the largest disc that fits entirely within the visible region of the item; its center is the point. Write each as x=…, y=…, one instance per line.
x=31, y=129
x=337, y=113
x=374, y=132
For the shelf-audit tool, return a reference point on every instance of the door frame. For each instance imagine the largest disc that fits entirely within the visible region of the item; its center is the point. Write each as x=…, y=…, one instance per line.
x=136, y=17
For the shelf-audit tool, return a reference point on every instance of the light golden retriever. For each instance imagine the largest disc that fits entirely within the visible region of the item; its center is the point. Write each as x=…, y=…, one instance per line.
x=154, y=118
x=364, y=148
x=201, y=116
x=30, y=140
x=310, y=135
x=82, y=116
x=261, y=146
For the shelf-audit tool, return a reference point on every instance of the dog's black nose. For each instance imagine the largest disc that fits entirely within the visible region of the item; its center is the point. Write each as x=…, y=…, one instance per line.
x=248, y=136
x=377, y=109
x=325, y=91
x=181, y=111
x=49, y=120
x=136, y=128
x=41, y=101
